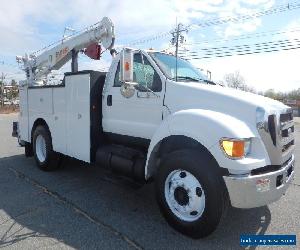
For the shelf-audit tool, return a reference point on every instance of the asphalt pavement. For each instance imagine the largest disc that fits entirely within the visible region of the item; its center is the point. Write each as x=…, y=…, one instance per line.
x=82, y=207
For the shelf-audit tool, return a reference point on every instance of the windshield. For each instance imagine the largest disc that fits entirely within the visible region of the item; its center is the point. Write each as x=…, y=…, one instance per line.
x=185, y=70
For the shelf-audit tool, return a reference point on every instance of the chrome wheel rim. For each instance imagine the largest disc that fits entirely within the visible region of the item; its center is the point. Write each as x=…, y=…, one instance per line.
x=40, y=148
x=184, y=195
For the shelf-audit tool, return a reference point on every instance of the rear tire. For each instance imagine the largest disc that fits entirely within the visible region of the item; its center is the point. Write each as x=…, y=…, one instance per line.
x=190, y=192
x=46, y=159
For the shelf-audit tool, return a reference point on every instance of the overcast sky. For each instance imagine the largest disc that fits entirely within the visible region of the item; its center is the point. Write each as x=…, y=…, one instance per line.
x=26, y=26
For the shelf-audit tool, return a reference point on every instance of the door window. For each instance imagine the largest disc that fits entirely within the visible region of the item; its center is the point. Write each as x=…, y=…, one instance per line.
x=117, y=82
x=143, y=73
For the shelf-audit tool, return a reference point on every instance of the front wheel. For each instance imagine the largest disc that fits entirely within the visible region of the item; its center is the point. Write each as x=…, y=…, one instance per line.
x=184, y=195
x=190, y=192
x=44, y=155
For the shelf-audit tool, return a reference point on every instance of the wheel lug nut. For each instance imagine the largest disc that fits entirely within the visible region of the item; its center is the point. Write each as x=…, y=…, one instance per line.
x=198, y=191
x=182, y=174
x=193, y=213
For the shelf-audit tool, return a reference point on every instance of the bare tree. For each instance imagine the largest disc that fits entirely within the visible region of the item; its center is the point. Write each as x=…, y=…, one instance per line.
x=250, y=89
x=235, y=80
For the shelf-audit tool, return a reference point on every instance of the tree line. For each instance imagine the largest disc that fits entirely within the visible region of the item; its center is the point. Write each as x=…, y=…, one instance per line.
x=8, y=94
x=237, y=81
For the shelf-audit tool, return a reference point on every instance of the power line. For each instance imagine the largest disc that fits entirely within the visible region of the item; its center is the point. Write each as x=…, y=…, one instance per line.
x=149, y=38
x=241, y=18
x=224, y=48
x=243, y=53
x=242, y=37
x=246, y=49
x=219, y=21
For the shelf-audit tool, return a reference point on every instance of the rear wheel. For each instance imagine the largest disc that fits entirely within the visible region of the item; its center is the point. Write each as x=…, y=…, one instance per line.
x=190, y=192
x=44, y=155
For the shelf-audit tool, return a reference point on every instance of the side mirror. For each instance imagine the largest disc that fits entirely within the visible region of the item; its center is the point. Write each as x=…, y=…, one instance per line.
x=128, y=89
x=126, y=65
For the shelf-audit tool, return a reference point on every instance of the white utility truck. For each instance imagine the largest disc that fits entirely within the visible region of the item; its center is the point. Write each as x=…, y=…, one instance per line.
x=154, y=116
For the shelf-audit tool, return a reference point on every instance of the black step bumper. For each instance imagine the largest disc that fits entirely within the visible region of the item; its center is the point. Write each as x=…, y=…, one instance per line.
x=15, y=129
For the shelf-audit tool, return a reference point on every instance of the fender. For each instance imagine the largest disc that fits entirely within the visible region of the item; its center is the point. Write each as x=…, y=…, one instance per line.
x=58, y=141
x=36, y=121
x=205, y=126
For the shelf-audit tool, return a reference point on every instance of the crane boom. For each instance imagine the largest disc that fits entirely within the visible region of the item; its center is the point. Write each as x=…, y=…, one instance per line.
x=38, y=66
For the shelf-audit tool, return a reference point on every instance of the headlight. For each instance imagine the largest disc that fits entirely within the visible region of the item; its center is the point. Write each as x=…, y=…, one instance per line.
x=235, y=148
x=261, y=122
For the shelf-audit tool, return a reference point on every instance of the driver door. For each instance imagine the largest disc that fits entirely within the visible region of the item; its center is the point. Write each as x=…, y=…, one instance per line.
x=141, y=114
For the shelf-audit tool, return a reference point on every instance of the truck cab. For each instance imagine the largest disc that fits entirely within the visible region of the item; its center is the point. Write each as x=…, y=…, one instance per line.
x=154, y=116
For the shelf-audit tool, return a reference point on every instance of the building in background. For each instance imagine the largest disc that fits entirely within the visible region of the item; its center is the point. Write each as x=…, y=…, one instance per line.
x=294, y=104
x=10, y=95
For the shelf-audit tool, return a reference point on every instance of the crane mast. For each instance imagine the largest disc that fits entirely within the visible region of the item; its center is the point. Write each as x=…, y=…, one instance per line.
x=39, y=66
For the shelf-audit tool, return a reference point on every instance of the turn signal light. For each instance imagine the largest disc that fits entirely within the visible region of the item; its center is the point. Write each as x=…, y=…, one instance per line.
x=127, y=67
x=235, y=148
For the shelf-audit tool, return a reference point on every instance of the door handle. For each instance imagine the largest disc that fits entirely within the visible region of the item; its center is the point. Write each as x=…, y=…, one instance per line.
x=109, y=100
x=140, y=94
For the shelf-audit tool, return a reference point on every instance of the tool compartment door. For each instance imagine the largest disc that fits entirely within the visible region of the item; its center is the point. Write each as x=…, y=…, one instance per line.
x=78, y=116
x=23, y=115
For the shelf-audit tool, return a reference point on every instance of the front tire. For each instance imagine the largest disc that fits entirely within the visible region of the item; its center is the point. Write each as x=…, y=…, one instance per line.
x=190, y=192
x=46, y=159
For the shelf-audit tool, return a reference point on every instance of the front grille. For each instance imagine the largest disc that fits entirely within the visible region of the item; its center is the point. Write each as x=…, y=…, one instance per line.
x=286, y=117
x=279, y=180
x=288, y=145
x=272, y=128
x=277, y=135
x=286, y=131
x=290, y=170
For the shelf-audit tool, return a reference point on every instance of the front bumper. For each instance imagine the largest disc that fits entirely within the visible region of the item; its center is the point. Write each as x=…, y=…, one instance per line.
x=259, y=190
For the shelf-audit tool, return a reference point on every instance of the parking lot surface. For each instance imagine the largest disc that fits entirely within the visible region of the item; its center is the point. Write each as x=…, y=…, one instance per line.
x=82, y=207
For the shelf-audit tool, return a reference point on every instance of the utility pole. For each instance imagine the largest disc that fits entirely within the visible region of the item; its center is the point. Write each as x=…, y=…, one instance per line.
x=176, y=51
x=177, y=38
x=2, y=89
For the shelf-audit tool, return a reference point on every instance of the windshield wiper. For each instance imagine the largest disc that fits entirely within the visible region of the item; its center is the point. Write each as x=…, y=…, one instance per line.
x=209, y=82
x=196, y=79
x=188, y=78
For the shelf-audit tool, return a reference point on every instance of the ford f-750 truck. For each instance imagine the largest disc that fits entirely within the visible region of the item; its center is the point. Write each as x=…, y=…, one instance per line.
x=204, y=146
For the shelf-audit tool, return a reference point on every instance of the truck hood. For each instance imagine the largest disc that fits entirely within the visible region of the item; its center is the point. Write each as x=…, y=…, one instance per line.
x=237, y=103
